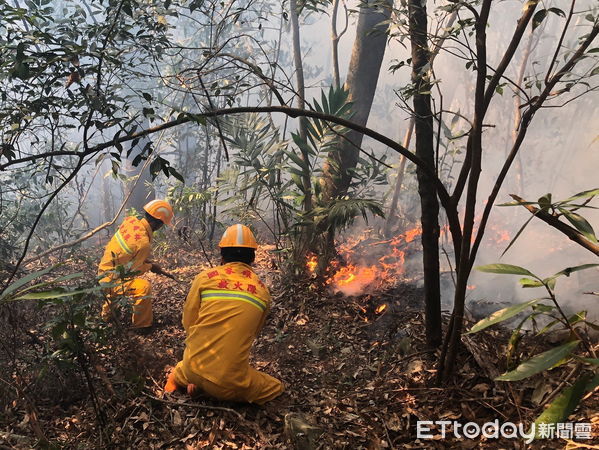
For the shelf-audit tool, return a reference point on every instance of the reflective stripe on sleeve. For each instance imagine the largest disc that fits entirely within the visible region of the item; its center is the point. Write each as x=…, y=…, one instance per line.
x=122, y=242
x=215, y=294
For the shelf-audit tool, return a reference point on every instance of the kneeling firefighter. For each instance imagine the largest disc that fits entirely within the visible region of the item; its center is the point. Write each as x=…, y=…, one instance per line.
x=132, y=244
x=224, y=311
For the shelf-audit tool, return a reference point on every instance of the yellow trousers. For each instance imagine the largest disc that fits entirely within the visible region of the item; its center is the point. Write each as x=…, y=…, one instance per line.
x=260, y=389
x=139, y=291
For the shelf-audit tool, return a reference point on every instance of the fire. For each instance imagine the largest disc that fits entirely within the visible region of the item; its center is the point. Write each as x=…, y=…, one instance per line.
x=471, y=287
x=312, y=263
x=351, y=280
x=379, y=309
x=365, y=261
x=410, y=235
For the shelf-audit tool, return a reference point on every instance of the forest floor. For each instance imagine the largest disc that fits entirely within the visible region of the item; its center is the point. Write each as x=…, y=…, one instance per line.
x=356, y=377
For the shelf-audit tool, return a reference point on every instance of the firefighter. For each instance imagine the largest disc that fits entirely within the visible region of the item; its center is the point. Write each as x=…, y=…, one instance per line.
x=223, y=314
x=132, y=244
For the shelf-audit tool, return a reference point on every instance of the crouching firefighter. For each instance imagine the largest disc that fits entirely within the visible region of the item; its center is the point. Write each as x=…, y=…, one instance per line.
x=224, y=311
x=131, y=244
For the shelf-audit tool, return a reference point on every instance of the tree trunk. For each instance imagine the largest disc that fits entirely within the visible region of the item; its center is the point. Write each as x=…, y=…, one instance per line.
x=363, y=73
x=335, y=43
x=402, y=164
x=518, y=113
x=301, y=99
x=391, y=217
x=425, y=149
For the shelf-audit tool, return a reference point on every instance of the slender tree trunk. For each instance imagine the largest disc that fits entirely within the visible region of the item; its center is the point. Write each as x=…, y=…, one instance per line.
x=215, y=199
x=335, y=44
x=518, y=115
x=301, y=99
x=391, y=217
x=402, y=164
x=364, y=68
x=425, y=149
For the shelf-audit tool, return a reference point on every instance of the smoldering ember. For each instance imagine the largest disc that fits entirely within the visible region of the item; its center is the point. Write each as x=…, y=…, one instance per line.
x=312, y=224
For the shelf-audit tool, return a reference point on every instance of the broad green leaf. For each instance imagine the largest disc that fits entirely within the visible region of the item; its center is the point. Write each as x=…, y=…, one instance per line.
x=296, y=159
x=568, y=270
x=501, y=315
x=539, y=362
x=56, y=293
x=507, y=269
x=530, y=283
x=538, y=18
x=593, y=361
x=542, y=308
x=26, y=279
x=578, y=317
x=566, y=402
x=548, y=327
x=583, y=194
x=580, y=223
x=557, y=11
x=517, y=203
x=545, y=201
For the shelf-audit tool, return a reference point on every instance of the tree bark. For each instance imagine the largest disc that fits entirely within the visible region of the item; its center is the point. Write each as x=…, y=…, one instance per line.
x=425, y=149
x=391, y=218
x=301, y=99
x=363, y=73
x=402, y=164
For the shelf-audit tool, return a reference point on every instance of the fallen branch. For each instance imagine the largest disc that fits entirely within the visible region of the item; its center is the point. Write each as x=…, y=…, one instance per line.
x=572, y=233
x=196, y=405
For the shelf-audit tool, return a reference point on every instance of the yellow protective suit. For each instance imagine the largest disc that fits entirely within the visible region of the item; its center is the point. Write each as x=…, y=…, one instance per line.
x=130, y=244
x=224, y=311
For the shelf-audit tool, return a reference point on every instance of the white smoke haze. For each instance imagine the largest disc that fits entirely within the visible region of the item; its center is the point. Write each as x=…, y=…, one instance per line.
x=560, y=154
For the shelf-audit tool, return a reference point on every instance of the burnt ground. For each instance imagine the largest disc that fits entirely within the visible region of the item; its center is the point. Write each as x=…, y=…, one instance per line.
x=356, y=377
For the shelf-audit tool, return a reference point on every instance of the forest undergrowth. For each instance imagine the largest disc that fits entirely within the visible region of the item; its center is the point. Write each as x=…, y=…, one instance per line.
x=357, y=375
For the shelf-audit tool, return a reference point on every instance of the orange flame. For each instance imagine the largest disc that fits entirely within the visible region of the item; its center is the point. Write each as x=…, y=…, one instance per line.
x=352, y=278
x=379, y=309
x=312, y=263
x=412, y=234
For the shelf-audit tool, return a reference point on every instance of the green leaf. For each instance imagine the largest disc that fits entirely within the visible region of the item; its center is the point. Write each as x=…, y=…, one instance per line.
x=539, y=362
x=557, y=11
x=568, y=270
x=566, y=402
x=580, y=223
x=501, y=315
x=297, y=160
x=172, y=171
x=538, y=18
x=593, y=361
x=583, y=194
x=577, y=318
x=507, y=269
x=26, y=279
x=548, y=327
x=545, y=201
x=530, y=283
x=56, y=293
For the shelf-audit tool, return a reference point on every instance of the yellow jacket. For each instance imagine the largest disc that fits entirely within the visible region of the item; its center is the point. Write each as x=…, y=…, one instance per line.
x=224, y=311
x=131, y=243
